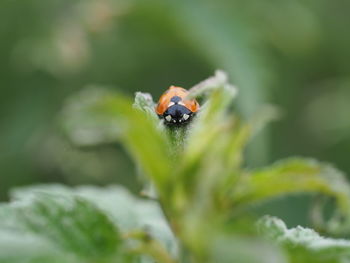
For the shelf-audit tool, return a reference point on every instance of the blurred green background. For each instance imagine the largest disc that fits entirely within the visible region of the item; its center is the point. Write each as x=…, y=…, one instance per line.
x=292, y=54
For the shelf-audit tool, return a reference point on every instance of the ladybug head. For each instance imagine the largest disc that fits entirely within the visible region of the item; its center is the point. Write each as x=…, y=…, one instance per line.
x=177, y=113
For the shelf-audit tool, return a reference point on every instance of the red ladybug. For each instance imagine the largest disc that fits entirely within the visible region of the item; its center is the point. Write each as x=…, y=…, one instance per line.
x=174, y=108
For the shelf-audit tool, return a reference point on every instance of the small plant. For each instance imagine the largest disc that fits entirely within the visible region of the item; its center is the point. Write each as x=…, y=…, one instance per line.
x=198, y=209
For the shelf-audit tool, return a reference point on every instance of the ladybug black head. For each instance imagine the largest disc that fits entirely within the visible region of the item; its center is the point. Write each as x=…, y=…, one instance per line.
x=177, y=114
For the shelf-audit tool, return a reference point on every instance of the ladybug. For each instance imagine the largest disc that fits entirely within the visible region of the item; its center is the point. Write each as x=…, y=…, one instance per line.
x=174, y=108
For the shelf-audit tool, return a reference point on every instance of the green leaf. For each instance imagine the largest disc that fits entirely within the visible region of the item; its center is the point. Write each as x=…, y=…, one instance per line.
x=144, y=101
x=295, y=175
x=19, y=247
x=110, y=115
x=83, y=125
x=303, y=244
x=72, y=223
x=245, y=250
x=47, y=226
x=126, y=211
x=146, y=143
x=207, y=127
x=207, y=86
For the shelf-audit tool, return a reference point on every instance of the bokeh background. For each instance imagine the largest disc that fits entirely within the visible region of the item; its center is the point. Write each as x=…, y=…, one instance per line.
x=291, y=54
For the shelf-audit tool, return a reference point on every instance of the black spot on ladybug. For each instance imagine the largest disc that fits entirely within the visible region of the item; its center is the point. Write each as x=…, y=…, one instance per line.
x=175, y=99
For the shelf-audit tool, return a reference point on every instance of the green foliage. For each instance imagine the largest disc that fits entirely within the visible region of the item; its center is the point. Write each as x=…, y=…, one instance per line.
x=297, y=175
x=303, y=244
x=56, y=225
x=53, y=223
x=202, y=191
